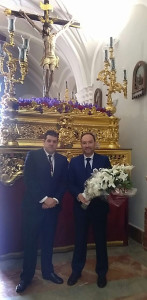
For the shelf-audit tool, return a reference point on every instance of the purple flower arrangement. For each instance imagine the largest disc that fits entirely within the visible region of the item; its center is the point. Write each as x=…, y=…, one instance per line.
x=61, y=106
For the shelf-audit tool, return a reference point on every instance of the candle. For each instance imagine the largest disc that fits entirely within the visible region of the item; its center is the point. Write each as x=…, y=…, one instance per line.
x=111, y=42
x=2, y=53
x=106, y=55
x=125, y=75
x=112, y=64
x=11, y=24
x=22, y=54
x=25, y=43
x=59, y=96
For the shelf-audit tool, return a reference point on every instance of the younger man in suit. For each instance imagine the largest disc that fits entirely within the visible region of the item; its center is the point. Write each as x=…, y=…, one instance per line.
x=80, y=169
x=45, y=176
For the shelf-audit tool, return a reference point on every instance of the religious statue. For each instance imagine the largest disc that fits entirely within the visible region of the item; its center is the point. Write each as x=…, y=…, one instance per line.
x=49, y=60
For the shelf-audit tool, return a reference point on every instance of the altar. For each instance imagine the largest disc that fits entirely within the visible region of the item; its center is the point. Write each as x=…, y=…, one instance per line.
x=22, y=129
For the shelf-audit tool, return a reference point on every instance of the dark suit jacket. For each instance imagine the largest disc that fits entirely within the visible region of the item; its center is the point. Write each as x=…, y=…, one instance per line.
x=38, y=180
x=77, y=174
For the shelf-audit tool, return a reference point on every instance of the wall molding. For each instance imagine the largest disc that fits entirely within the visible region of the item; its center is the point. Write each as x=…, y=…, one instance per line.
x=136, y=234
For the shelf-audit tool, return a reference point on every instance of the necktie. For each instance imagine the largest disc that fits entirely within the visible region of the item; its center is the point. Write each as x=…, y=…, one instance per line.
x=88, y=167
x=51, y=163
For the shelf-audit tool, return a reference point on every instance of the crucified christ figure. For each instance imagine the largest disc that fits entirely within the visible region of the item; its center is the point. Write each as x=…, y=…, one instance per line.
x=49, y=60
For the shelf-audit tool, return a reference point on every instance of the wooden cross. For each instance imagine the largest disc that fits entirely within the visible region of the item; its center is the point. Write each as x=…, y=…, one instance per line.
x=46, y=7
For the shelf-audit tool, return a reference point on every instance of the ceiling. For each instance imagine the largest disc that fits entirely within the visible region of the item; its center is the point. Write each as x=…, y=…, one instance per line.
x=76, y=48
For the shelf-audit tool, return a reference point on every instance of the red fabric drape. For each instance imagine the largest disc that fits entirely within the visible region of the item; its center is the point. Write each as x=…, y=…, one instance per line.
x=11, y=217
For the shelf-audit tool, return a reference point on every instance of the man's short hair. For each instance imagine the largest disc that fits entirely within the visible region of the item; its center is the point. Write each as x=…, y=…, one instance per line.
x=85, y=133
x=52, y=133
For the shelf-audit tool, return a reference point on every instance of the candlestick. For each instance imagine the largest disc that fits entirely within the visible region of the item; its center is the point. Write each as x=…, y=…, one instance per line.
x=10, y=67
x=111, y=42
x=108, y=77
x=125, y=75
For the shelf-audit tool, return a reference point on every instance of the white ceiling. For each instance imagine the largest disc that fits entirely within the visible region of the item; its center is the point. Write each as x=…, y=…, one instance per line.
x=76, y=47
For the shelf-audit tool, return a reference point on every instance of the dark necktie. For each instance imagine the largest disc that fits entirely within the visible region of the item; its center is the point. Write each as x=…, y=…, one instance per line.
x=88, y=167
x=51, y=163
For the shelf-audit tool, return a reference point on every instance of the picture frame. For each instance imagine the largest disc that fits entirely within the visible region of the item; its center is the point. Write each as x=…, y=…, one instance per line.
x=98, y=97
x=139, y=81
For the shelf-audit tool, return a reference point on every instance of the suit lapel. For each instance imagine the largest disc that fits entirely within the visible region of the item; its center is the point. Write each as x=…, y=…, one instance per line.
x=81, y=165
x=43, y=156
x=96, y=161
x=45, y=162
x=56, y=164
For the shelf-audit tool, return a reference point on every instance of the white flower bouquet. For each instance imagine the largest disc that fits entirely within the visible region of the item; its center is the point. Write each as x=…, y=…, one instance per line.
x=106, y=181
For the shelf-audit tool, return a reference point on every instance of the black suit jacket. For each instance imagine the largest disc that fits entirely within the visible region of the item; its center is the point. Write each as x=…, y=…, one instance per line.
x=77, y=173
x=38, y=180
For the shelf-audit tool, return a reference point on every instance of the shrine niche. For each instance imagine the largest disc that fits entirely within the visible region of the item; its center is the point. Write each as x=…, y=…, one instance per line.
x=139, y=80
x=98, y=97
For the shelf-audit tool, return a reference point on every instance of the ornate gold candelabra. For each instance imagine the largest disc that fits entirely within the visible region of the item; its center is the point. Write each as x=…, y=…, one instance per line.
x=108, y=77
x=7, y=61
x=9, y=67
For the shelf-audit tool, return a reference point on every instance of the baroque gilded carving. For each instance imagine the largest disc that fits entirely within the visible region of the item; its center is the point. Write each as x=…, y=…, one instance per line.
x=12, y=161
x=67, y=134
x=11, y=167
x=9, y=133
x=33, y=131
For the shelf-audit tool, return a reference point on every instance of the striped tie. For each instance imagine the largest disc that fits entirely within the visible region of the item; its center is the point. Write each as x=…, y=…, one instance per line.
x=51, y=163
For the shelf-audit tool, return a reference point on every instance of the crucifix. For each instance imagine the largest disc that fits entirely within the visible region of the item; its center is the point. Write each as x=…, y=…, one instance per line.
x=49, y=60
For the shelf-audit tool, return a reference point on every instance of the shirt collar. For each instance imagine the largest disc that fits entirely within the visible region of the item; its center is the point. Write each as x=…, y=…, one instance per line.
x=91, y=157
x=47, y=154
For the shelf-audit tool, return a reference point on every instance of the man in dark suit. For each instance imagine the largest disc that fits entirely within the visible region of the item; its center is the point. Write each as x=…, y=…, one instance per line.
x=45, y=176
x=80, y=169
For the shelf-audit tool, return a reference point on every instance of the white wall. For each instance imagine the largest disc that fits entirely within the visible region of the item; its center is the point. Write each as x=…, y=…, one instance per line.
x=132, y=48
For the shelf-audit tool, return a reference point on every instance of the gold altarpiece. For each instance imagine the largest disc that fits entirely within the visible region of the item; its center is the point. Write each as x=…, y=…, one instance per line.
x=23, y=129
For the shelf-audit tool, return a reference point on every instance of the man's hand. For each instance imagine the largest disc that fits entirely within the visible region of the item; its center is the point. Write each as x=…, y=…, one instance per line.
x=49, y=203
x=82, y=199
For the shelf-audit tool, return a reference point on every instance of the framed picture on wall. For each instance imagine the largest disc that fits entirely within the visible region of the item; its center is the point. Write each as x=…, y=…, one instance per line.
x=139, y=80
x=98, y=97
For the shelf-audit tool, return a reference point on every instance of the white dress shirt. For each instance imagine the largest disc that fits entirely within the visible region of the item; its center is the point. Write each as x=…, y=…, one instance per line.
x=91, y=160
x=53, y=163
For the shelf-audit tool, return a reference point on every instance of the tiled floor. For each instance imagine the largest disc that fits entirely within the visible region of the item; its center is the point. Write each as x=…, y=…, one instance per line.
x=127, y=277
